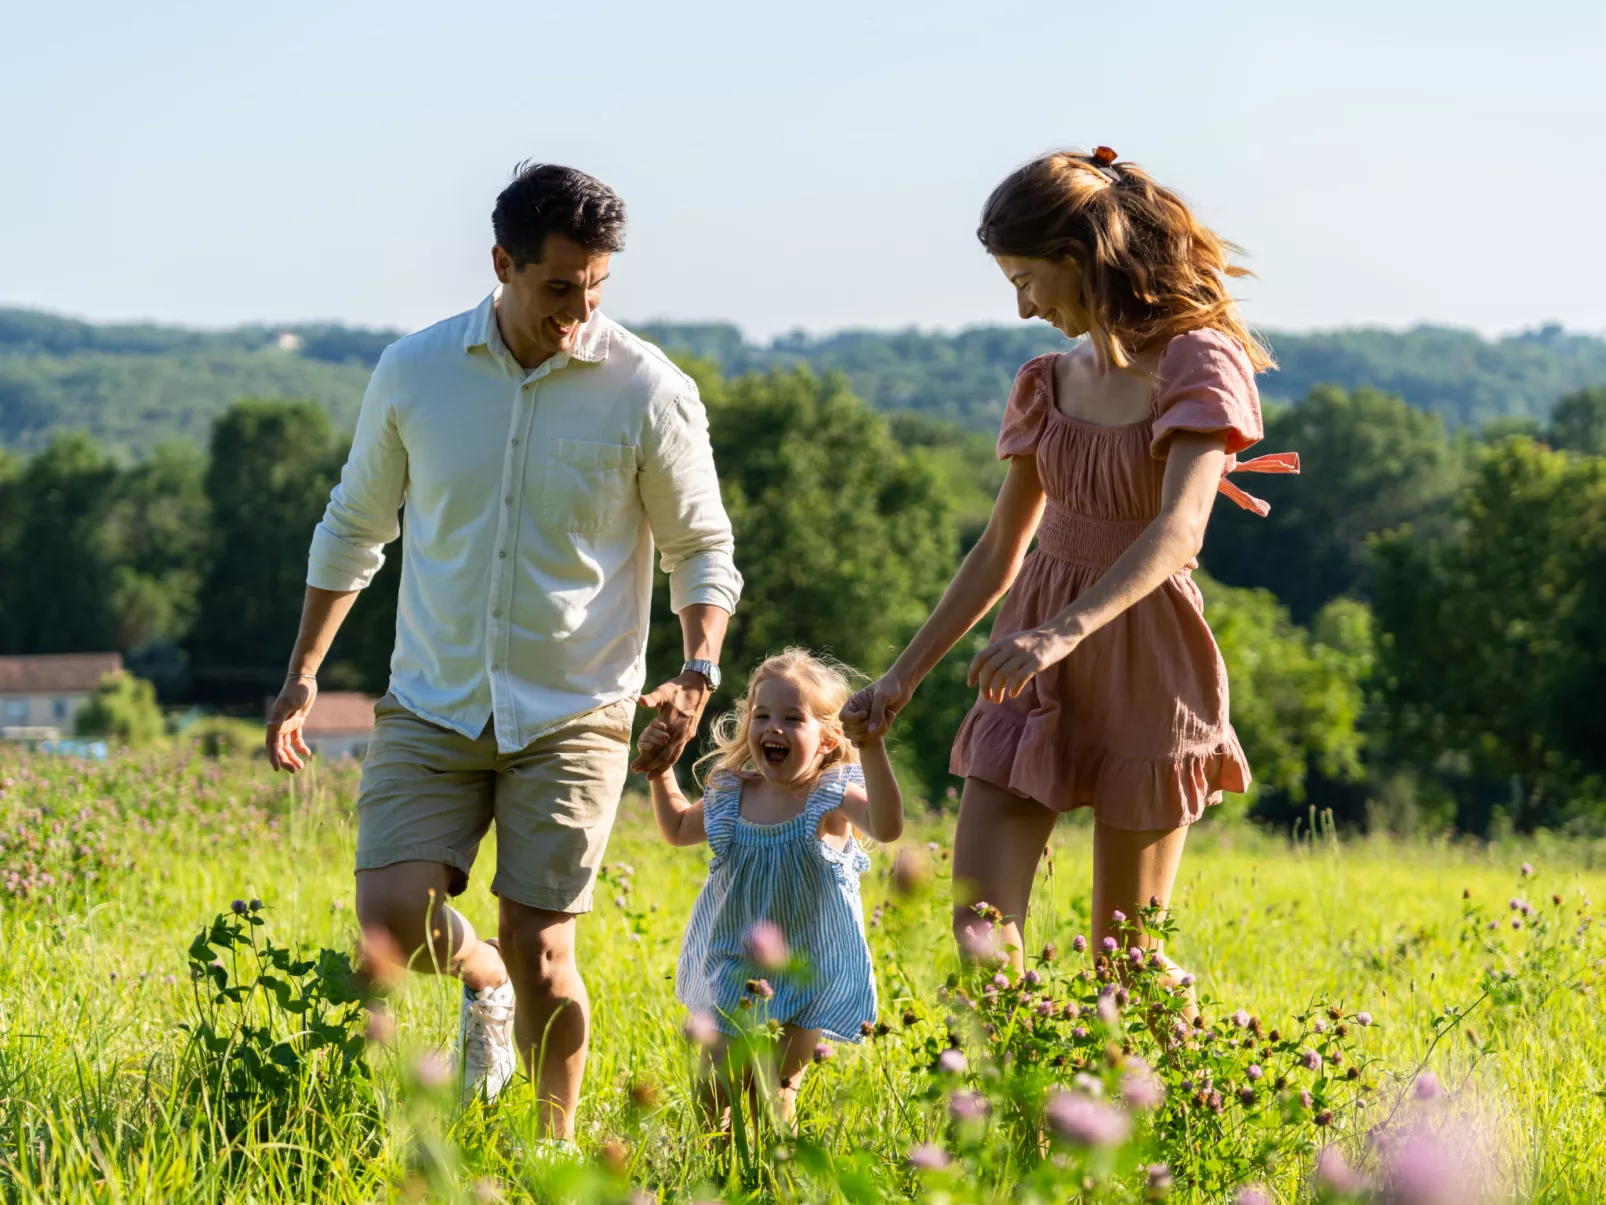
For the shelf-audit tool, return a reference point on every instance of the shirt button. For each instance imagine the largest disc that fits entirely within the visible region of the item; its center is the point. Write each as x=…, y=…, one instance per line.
x=497, y=614
x=507, y=500
x=501, y=554
x=496, y=669
x=515, y=441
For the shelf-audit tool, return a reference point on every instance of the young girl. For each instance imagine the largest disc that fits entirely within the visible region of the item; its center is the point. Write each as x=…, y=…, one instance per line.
x=784, y=879
x=1102, y=686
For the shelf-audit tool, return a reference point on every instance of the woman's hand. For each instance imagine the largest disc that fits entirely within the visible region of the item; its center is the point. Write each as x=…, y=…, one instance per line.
x=1003, y=668
x=870, y=712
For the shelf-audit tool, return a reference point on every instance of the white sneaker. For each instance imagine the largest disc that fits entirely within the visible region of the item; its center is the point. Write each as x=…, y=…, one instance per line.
x=485, y=1040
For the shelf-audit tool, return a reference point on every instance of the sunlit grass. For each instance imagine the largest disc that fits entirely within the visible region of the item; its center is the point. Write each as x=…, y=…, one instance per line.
x=94, y=985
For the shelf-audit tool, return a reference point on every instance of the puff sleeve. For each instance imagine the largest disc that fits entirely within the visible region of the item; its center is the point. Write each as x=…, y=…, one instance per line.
x=1206, y=384
x=1027, y=409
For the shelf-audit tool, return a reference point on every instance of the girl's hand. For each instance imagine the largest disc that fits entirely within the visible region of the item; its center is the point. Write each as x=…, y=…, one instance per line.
x=654, y=736
x=1003, y=668
x=870, y=712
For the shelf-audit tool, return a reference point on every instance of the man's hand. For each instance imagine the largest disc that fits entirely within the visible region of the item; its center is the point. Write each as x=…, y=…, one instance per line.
x=680, y=702
x=286, y=745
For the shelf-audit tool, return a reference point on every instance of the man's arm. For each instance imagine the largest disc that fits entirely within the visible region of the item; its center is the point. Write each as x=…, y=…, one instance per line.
x=680, y=493
x=322, y=612
x=347, y=550
x=680, y=701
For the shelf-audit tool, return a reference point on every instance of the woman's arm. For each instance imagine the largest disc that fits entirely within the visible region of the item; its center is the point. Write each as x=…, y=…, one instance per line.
x=879, y=815
x=1193, y=472
x=987, y=571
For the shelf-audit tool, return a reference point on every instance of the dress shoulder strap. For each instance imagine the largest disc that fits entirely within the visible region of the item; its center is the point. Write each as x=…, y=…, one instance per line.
x=722, y=803
x=828, y=792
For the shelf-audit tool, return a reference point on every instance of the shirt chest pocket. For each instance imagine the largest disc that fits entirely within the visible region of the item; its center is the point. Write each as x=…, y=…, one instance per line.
x=586, y=488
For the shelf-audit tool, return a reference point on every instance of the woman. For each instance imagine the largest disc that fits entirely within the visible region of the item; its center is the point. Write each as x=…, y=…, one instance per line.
x=1102, y=686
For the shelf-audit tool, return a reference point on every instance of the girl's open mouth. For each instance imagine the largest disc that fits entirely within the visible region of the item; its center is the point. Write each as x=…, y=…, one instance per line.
x=774, y=752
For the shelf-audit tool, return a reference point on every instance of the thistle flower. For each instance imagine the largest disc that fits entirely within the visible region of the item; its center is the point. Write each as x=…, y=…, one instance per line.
x=1135, y=956
x=1087, y=1123
x=1032, y=978
x=1118, y=917
x=765, y=946
x=1186, y=980
x=1079, y=944
x=1241, y=1019
x=1311, y=1060
x=1001, y=981
x=1045, y=1008
x=928, y=1158
x=1109, y=945
x=1253, y=1071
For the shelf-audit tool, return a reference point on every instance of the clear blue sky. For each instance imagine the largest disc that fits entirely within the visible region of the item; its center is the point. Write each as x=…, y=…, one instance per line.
x=792, y=165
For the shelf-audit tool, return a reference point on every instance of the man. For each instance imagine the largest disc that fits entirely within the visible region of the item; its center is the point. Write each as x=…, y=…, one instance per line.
x=542, y=451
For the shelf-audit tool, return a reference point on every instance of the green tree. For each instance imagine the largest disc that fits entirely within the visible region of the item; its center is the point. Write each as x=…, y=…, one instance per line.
x=1370, y=463
x=124, y=708
x=845, y=541
x=1490, y=635
x=272, y=467
x=1297, y=696
x=57, y=577
x=1578, y=424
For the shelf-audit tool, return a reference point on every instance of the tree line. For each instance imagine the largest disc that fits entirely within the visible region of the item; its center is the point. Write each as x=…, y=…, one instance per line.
x=1411, y=634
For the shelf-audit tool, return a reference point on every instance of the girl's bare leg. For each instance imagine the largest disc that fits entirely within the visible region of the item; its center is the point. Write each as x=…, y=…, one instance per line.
x=793, y=1058
x=997, y=844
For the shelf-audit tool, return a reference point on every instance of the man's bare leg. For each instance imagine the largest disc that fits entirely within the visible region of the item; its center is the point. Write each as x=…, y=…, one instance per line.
x=553, y=1018
x=407, y=903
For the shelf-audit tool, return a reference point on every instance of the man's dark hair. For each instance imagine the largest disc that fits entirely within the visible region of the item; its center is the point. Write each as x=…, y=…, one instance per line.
x=544, y=199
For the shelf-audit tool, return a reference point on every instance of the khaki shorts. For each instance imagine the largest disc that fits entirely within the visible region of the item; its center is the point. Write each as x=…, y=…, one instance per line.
x=429, y=795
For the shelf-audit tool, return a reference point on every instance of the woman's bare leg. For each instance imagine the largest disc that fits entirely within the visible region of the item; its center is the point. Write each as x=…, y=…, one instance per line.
x=1130, y=868
x=998, y=842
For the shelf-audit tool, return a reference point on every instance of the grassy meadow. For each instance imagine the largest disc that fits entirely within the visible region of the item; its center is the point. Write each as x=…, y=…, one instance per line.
x=113, y=1089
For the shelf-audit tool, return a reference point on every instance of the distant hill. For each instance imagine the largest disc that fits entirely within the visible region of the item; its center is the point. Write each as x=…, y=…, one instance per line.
x=135, y=386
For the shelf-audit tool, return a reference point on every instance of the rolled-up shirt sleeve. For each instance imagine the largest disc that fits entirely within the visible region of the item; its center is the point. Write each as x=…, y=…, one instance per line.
x=361, y=518
x=680, y=492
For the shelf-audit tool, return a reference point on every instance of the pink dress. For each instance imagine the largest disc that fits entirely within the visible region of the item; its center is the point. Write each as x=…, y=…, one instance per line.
x=1133, y=723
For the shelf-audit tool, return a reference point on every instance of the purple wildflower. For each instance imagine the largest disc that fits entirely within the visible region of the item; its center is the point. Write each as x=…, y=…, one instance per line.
x=968, y=1106
x=700, y=1029
x=1240, y=1019
x=1109, y=945
x=1142, y=1089
x=928, y=1158
x=1159, y=1179
x=1363, y=1018
x=1032, y=978
x=1334, y=1173
x=432, y=1071
x=1084, y=1122
x=1311, y=1060
x=1526, y=869
x=765, y=945
x=1079, y=944
x=952, y=1061
x=824, y=1052
x=1001, y=981
x=1253, y=1071
x=1427, y=1086
x=1253, y=1195
x=1079, y=1032
x=1118, y=917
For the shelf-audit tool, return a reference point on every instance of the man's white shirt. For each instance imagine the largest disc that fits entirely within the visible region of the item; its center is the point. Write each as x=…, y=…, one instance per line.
x=533, y=502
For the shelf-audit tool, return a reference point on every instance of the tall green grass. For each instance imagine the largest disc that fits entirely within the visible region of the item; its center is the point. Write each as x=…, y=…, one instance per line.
x=108, y=872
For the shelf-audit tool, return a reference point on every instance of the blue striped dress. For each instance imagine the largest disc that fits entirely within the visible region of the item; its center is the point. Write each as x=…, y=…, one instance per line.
x=783, y=873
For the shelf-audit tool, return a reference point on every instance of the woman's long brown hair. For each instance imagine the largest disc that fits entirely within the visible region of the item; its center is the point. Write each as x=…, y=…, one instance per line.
x=1150, y=269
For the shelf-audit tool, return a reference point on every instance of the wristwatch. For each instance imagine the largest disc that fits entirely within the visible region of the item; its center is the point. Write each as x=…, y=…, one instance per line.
x=708, y=669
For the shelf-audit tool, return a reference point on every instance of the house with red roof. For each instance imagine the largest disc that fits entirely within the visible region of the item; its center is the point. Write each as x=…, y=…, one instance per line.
x=40, y=696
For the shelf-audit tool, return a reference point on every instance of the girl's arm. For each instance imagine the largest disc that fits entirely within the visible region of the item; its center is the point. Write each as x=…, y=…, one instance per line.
x=879, y=814
x=988, y=570
x=1193, y=472
x=679, y=822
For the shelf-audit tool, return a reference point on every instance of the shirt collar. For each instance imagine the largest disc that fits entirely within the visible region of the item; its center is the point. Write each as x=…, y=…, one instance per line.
x=590, y=347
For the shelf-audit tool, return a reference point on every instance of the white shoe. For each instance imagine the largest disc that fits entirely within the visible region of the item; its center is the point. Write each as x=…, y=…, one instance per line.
x=485, y=1040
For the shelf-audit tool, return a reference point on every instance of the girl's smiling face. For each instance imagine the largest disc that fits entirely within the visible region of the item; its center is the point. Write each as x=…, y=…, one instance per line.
x=785, y=739
x=1049, y=289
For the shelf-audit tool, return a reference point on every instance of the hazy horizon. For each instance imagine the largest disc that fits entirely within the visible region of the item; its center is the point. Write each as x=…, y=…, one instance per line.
x=1385, y=166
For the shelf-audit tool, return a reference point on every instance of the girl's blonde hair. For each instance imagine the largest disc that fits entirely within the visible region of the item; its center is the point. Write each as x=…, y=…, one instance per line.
x=1150, y=270
x=827, y=683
